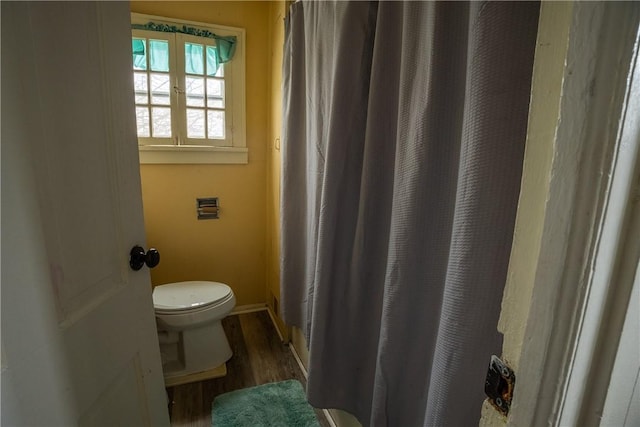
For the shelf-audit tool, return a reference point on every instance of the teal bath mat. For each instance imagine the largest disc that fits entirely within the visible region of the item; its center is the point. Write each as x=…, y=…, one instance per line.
x=275, y=404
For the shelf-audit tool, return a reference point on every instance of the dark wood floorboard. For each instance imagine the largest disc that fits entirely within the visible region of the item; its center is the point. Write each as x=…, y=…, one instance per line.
x=259, y=357
x=270, y=360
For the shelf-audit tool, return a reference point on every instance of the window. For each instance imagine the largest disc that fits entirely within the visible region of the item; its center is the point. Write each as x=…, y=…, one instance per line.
x=190, y=108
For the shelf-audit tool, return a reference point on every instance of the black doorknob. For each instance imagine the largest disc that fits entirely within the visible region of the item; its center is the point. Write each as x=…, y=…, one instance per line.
x=138, y=258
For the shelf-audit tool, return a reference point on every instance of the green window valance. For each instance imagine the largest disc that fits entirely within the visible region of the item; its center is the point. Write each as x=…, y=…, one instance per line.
x=223, y=52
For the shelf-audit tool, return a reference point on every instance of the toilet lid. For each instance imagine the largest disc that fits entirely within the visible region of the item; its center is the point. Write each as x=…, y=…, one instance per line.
x=185, y=295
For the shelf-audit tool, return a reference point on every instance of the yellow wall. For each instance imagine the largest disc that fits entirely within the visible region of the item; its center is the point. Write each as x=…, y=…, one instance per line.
x=232, y=248
x=276, y=25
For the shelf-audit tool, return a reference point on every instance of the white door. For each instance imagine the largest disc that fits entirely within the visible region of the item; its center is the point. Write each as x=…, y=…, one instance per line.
x=79, y=345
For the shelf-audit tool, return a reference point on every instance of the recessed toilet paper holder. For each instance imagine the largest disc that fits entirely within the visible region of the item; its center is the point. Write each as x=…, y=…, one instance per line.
x=207, y=208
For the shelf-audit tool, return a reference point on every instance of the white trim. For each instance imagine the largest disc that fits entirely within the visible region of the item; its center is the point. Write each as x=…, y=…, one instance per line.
x=248, y=308
x=614, y=269
x=232, y=150
x=305, y=373
x=594, y=83
x=229, y=95
x=622, y=406
x=171, y=40
x=162, y=154
x=326, y=412
x=275, y=324
x=298, y=360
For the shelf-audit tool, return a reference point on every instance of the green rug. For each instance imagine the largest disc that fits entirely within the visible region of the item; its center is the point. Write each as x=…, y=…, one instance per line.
x=275, y=404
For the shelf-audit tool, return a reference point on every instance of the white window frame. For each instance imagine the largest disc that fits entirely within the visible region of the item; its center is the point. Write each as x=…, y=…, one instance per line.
x=231, y=150
x=170, y=39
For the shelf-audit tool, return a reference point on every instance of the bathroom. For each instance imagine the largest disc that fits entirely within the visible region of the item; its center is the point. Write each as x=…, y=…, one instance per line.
x=235, y=248
x=240, y=247
x=248, y=194
x=74, y=363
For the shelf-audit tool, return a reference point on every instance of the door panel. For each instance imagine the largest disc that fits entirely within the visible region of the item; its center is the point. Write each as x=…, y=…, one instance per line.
x=73, y=72
x=71, y=62
x=110, y=409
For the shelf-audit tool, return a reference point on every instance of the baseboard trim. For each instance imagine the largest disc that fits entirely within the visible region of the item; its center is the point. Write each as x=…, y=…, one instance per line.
x=275, y=324
x=297, y=357
x=326, y=412
x=248, y=308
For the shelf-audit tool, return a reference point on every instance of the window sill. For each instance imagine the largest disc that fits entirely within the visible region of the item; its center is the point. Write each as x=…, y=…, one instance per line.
x=166, y=154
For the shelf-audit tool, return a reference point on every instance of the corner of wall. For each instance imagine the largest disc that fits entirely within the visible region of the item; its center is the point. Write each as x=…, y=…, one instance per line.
x=277, y=10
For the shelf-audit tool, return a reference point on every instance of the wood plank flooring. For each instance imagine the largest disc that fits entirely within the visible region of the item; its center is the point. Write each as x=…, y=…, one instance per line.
x=259, y=357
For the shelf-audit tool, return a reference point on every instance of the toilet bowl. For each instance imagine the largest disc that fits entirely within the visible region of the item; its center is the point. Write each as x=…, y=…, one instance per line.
x=188, y=316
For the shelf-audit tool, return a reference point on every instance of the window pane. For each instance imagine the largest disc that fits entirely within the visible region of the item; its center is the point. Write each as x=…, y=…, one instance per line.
x=160, y=87
x=195, y=91
x=141, y=86
x=215, y=93
x=142, y=121
x=193, y=58
x=195, y=123
x=215, y=124
x=139, y=54
x=159, y=58
x=161, y=121
x=214, y=68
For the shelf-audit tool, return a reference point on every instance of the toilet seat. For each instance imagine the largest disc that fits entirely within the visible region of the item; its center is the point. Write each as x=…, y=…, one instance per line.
x=189, y=323
x=190, y=297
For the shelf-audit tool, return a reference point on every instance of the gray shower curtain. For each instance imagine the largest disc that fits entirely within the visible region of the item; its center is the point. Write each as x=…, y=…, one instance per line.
x=403, y=138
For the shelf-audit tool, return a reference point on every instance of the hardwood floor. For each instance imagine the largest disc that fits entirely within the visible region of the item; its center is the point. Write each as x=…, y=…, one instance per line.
x=259, y=357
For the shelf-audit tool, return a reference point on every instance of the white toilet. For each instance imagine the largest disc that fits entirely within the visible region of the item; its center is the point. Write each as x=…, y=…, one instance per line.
x=192, y=341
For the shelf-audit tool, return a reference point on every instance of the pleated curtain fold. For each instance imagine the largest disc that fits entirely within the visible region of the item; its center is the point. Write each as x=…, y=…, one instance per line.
x=402, y=147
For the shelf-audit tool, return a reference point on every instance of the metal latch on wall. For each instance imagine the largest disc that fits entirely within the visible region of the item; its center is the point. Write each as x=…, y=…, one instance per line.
x=499, y=385
x=208, y=208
